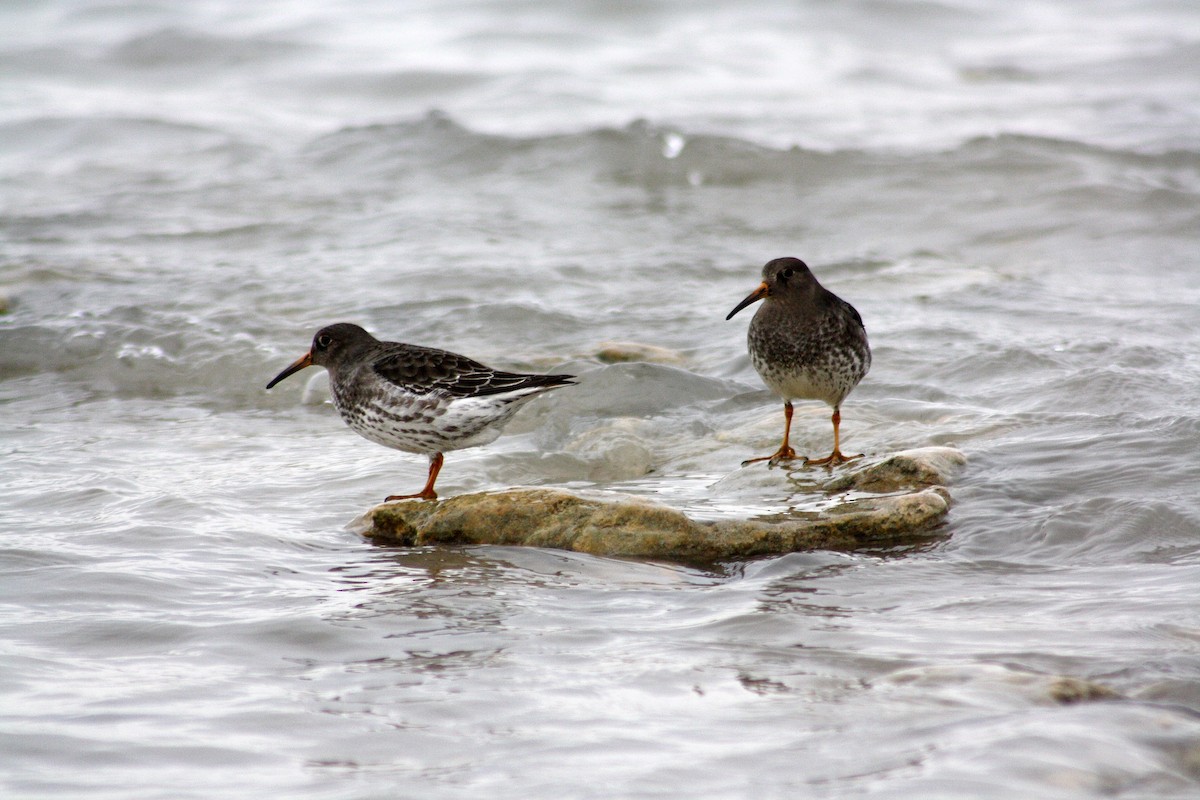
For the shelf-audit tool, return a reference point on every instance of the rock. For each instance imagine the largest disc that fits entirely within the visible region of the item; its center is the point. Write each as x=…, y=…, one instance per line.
x=928, y=466
x=621, y=352
x=631, y=526
x=986, y=684
x=1066, y=690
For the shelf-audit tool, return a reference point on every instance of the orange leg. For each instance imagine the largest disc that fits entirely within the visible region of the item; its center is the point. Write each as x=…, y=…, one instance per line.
x=435, y=466
x=836, y=457
x=785, y=451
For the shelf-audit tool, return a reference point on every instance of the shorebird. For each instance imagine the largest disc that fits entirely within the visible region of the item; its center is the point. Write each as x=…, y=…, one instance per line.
x=806, y=344
x=417, y=399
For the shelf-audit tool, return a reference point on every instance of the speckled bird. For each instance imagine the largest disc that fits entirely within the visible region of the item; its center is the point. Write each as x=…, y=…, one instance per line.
x=417, y=399
x=806, y=344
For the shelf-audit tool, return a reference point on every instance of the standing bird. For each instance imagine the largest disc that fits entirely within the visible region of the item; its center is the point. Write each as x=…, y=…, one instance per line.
x=806, y=344
x=417, y=399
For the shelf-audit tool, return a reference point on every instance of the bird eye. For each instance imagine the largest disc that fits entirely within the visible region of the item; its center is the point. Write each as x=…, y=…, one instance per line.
x=323, y=341
x=787, y=273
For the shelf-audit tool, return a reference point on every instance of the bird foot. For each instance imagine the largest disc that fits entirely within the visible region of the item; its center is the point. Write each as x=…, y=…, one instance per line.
x=836, y=457
x=427, y=494
x=784, y=453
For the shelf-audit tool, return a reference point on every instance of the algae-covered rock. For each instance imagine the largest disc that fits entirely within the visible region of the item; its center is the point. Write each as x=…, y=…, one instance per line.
x=632, y=526
x=625, y=525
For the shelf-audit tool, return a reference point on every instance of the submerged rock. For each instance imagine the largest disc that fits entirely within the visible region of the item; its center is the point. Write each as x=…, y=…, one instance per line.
x=988, y=684
x=625, y=525
x=612, y=454
x=622, y=352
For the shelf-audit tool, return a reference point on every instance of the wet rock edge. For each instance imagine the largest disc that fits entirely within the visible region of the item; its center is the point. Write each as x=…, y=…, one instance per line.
x=898, y=500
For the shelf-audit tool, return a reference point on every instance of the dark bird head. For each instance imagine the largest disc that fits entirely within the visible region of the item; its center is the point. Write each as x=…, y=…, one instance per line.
x=783, y=279
x=333, y=344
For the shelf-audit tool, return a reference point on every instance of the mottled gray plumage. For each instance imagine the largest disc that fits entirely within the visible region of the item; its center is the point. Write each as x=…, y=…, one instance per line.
x=417, y=399
x=806, y=343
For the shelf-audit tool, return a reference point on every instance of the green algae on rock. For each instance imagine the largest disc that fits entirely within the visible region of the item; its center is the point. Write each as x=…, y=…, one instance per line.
x=630, y=526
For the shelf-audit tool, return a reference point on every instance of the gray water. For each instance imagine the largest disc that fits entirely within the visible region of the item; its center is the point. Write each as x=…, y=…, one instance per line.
x=1009, y=193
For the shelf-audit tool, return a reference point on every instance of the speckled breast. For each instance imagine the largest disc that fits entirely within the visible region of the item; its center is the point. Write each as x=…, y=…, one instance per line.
x=420, y=423
x=819, y=362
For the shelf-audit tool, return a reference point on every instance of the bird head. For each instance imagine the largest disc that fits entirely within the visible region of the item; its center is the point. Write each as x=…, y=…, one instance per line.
x=781, y=277
x=329, y=345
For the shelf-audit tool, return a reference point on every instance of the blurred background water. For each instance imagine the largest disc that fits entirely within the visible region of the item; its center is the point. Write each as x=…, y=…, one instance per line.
x=1009, y=193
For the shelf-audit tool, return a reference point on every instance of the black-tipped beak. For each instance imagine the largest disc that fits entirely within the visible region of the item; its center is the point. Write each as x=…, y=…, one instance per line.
x=299, y=364
x=758, y=294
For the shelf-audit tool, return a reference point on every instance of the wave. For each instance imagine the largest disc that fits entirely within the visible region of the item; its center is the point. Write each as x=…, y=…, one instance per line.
x=182, y=213
x=179, y=47
x=640, y=153
x=60, y=143
x=647, y=154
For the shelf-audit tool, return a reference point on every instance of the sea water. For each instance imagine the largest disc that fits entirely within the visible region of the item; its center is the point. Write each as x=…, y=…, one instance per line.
x=1008, y=192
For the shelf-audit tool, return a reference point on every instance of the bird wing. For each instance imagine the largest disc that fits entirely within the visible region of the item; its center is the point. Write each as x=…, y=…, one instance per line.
x=854, y=313
x=423, y=370
x=831, y=300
